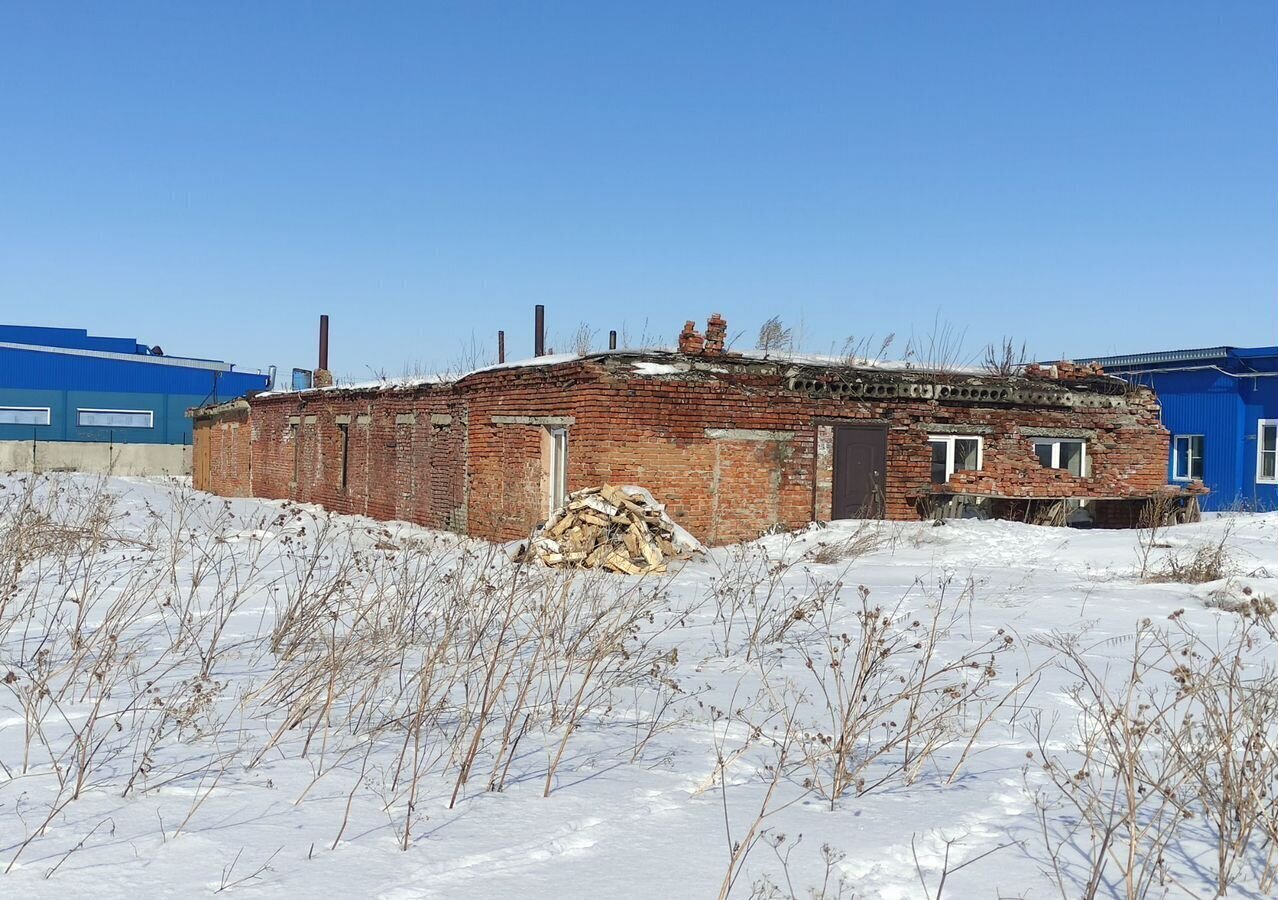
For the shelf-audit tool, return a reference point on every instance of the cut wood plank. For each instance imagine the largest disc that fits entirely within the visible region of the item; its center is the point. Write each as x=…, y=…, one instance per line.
x=601, y=505
x=652, y=556
x=621, y=564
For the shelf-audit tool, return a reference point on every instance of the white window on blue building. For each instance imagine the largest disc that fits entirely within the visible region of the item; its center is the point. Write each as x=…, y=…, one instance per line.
x=24, y=415
x=1267, y=451
x=1187, y=457
x=115, y=418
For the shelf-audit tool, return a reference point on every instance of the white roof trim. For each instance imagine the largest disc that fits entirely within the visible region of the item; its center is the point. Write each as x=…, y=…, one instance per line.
x=125, y=357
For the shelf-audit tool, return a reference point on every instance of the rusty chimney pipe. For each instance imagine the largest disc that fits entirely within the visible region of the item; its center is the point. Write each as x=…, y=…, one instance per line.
x=539, y=330
x=323, y=347
x=501, y=346
x=612, y=340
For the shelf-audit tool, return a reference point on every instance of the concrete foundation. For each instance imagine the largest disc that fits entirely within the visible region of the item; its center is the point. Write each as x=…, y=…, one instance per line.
x=95, y=458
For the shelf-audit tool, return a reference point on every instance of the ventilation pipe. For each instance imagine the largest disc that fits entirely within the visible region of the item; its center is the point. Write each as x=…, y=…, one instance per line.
x=323, y=343
x=323, y=377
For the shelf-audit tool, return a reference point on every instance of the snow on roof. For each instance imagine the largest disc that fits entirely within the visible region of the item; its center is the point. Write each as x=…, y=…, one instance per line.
x=412, y=381
x=646, y=362
x=643, y=367
x=857, y=362
x=553, y=359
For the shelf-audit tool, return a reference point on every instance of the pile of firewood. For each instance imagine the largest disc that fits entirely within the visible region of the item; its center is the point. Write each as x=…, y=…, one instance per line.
x=617, y=529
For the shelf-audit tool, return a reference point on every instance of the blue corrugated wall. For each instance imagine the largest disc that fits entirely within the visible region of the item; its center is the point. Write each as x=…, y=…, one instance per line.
x=68, y=382
x=39, y=370
x=76, y=338
x=1259, y=401
x=1225, y=410
x=171, y=426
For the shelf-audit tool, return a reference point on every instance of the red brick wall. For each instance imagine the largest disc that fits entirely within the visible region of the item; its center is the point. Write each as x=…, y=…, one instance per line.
x=652, y=431
x=507, y=497
x=404, y=453
x=730, y=452
x=222, y=454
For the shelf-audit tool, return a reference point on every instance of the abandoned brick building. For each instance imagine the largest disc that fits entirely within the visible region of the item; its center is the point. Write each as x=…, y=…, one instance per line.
x=732, y=443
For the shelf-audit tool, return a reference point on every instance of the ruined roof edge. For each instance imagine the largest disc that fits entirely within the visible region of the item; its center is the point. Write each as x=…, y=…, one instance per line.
x=666, y=362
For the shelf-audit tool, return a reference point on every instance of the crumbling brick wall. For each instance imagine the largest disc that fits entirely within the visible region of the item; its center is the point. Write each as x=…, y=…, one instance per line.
x=222, y=453
x=402, y=453
x=739, y=451
x=731, y=445
x=510, y=411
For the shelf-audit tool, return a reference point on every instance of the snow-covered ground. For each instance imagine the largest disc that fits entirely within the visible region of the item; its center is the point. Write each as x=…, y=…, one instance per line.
x=200, y=695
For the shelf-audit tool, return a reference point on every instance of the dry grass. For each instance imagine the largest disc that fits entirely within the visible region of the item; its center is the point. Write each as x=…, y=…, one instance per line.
x=1207, y=560
x=888, y=701
x=869, y=535
x=440, y=653
x=203, y=642
x=1180, y=745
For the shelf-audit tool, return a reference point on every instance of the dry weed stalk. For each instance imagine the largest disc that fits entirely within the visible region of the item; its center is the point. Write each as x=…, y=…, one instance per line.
x=887, y=701
x=760, y=595
x=1186, y=740
x=1205, y=560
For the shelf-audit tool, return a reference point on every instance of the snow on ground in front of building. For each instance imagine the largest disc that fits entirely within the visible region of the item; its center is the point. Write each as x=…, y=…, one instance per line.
x=166, y=732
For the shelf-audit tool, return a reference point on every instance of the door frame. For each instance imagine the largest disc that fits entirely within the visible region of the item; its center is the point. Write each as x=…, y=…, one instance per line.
x=880, y=500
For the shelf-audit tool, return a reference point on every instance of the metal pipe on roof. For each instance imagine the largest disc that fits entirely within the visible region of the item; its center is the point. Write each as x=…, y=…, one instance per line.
x=323, y=342
x=501, y=346
x=612, y=340
x=539, y=330
x=1193, y=369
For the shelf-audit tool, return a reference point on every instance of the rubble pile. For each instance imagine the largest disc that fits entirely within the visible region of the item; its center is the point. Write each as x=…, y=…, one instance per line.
x=613, y=528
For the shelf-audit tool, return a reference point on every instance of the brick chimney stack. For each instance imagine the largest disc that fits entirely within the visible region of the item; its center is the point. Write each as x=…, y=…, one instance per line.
x=691, y=340
x=716, y=333
x=323, y=377
x=694, y=343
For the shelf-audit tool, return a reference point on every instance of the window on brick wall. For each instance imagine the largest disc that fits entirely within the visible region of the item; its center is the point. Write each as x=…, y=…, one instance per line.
x=558, y=467
x=1187, y=457
x=954, y=453
x=344, y=446
x=1070, y=455
x=1267, y=451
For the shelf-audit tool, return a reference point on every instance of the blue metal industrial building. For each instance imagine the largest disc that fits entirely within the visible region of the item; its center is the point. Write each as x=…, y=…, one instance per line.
x=63, y=384
x=1221, y=406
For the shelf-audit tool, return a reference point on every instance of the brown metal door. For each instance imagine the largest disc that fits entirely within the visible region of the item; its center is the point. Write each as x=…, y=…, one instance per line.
x=203, y=458
x=860, y=470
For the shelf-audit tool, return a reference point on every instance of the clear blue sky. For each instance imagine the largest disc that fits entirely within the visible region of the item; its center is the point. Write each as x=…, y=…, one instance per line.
x=1087, y=176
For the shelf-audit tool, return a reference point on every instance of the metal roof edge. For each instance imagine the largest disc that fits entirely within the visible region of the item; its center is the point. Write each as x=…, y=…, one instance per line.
x=174, y=361
x=1167, y=357
x=1255, y=352
x=216, y=409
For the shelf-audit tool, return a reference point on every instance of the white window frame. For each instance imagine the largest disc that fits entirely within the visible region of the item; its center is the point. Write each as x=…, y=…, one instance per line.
x=1261, y=425
x=558, y=484
x=1055, y=444
x=1177, y=475
x=48, y=418
x=948, y=440
x=150, y=417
